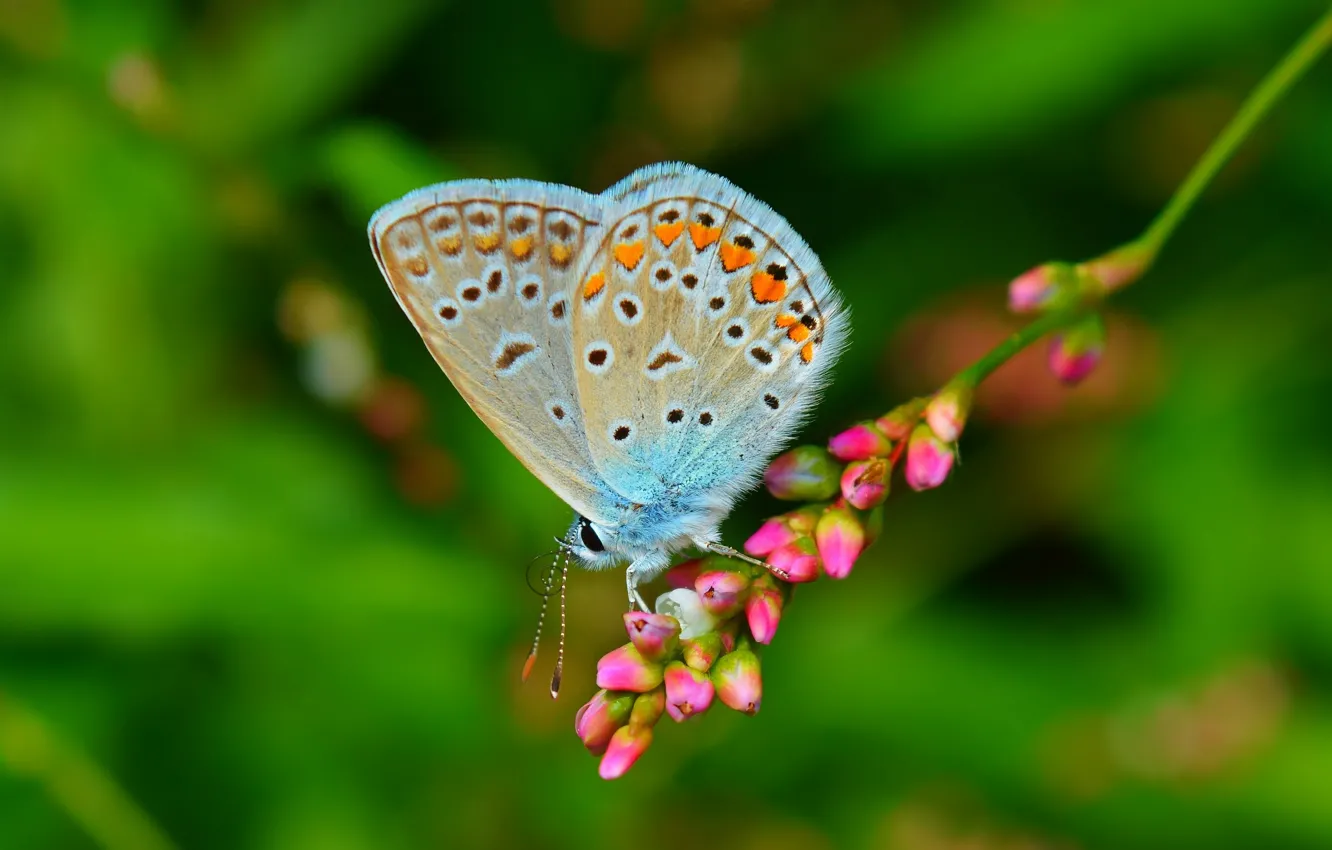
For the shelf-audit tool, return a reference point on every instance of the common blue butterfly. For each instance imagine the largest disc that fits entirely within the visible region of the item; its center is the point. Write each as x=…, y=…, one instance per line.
x=644, y=352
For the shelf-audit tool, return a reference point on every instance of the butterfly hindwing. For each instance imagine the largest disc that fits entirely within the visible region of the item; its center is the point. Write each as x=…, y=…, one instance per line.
x=486, y=271
x=704, y=327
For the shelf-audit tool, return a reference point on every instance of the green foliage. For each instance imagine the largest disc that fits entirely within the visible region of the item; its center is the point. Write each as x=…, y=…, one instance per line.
x=1110, y=629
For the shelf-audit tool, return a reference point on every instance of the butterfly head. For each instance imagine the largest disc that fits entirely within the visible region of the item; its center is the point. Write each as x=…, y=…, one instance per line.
x=592, y=544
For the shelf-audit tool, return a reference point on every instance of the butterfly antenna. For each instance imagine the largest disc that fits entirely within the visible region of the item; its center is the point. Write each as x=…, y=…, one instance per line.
x=558, y=675
x=541, y=619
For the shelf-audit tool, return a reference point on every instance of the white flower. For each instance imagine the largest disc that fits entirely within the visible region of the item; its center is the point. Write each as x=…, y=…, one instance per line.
x=684, y=605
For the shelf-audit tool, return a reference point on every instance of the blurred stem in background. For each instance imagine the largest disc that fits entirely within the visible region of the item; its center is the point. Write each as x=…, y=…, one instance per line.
x=86, y=792
x=1069, y=293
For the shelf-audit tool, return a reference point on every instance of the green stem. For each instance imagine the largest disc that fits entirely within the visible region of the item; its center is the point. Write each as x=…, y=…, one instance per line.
x=1025, y=336
x=87, y=794
x=1273, y=87
x=1129, y=261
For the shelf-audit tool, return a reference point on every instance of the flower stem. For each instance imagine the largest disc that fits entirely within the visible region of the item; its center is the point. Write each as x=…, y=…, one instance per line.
x=1132, y=259
x=1273, y=87
x=1023, y=337
x=74, y=782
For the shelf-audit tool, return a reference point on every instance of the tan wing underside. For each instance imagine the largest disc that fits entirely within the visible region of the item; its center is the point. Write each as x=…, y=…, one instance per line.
x=487, y=282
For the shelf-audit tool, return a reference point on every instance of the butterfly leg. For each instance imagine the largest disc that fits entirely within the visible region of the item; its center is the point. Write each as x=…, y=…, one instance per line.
x=728, y=552
x=643, y=568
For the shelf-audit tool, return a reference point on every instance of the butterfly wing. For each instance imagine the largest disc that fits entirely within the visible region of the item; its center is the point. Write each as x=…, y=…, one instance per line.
x=704, y=328
x=485, y=270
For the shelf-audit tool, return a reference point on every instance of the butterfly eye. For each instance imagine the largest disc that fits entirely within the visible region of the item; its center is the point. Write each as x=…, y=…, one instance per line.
x=589, y=537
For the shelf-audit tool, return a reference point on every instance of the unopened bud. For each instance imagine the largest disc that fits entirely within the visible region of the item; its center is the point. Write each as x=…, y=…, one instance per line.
x=859, y=442
x=600, y=717
x=655, y=636
x=738, y=680
x=804, y=474
x=626, y=745
x=799, y=559
x=841, y=539
x=722, y=592
x=688, y=691
x=865, y=482
x=929, y=459
x=624, y=669
x=1075, y=351
x=947, y=411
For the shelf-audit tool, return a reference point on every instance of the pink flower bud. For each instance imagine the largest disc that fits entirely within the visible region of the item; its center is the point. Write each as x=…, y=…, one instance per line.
x=799, y=559
x=600, y=717
x=722, y=592
x=1075, y=352
x=841, y=539
x=898, y=422
x=688, y=691
x=655, y=636
x=763, y=611
x=773, y=533
x=804, y=474
x=859, y=442
x=738, y=681
x=683, y=574
x=865, y=482
x=624, y=669
x=626, y=745
x=947, y=411
x=700, y=652
x=929, y=459
x=1034, y=289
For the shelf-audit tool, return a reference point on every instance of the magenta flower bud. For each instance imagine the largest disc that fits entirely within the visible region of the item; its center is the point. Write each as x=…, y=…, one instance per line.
x=929, y=459
x=738, y=681
x=1075, y=352
x=624, y=669
x=804, y=474
x=600, y=717
x=799, y=559
x=841, y=539
x=947, y=411
x=655, y=636
x=773, y=533
x=700, y=652
x=683, y=574
x=865, y=482
x=688, y=691
x=626, y=745
x=1036, y=289
x=722, y=592
x=763, y=611
x=859, y=442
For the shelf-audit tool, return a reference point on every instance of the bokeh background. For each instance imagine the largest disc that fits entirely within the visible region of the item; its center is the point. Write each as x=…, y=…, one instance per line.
x=262, y=573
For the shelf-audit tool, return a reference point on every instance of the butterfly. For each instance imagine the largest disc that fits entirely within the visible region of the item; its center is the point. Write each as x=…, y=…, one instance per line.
x=644, y=352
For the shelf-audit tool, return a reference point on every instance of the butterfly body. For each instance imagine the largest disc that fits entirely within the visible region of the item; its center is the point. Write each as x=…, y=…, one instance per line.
x=644, y=351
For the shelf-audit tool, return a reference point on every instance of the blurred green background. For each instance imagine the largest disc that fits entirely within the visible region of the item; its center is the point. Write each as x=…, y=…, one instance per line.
x=263, y=571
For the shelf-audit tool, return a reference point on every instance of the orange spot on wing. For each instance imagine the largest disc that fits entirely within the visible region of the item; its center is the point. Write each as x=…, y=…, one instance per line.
x=418, y=266
x=560, y=255
x=734, y=256
x=594, y=284
x=785, y=320
x=798, y=333
x=765, y=287
x=668, y=233
x=487, y=242
x=629, y=254
x=521, y=247
x=450, y=245
x=703, y=236
x=807, y=352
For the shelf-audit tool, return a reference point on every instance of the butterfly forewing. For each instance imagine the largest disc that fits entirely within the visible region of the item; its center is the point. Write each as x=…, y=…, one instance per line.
x=703, y=328
x=487, y=272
